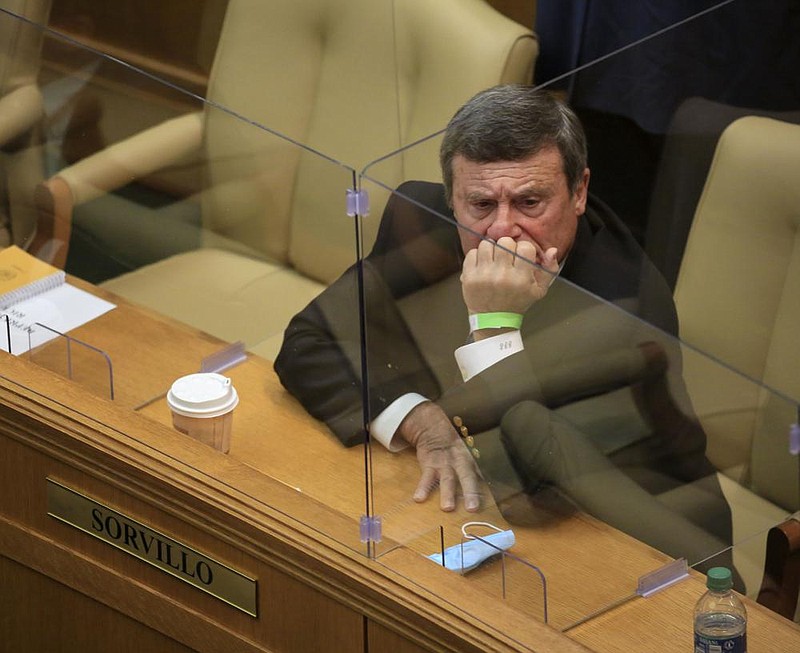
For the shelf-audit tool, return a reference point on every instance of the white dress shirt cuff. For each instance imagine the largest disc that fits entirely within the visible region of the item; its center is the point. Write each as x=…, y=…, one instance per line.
x=384, y=427
x=477, y=356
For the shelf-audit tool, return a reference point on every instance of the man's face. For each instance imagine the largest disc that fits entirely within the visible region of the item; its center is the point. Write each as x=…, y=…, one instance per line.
x=526, y=200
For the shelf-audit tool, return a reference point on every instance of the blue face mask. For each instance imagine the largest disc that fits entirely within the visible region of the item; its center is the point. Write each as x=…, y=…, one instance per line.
x=466, y=556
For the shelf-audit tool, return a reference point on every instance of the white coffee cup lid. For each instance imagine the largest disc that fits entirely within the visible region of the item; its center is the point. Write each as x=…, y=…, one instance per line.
x=205, y=394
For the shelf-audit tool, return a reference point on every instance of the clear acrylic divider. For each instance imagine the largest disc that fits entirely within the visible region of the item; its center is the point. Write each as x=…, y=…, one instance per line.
x=482, y=553
x=21, y=107
x=71, y=358
x=611, y=447
x=5, y=332
x=210, y=222
x=595, y=445
x=522, y=584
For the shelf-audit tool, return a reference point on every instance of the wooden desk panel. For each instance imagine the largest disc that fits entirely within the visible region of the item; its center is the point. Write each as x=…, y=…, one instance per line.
x=39, y=625
x=188, y=510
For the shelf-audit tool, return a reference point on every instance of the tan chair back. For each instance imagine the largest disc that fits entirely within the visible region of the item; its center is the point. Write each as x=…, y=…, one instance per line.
x=21, y=113
x=375, y=76
x=738, y=299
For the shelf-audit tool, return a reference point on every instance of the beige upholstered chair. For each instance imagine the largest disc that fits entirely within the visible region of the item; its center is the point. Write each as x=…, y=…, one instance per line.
x=352, y=79
x=21, y=116
x=738, y=299
x=689, y=146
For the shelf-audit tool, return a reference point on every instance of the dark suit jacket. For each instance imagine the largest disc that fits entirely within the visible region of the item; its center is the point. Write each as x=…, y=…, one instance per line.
x=417, y=247
x=599, y=344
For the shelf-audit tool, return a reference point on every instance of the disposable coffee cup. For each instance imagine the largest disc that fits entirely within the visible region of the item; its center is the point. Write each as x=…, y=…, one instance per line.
x=202, y=406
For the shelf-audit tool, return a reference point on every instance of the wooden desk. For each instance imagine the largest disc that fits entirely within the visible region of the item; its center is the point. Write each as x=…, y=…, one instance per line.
x=664, y=622
x=282, y=507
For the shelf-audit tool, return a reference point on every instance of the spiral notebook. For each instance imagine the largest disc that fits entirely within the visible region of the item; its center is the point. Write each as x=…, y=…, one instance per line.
x=34, y=293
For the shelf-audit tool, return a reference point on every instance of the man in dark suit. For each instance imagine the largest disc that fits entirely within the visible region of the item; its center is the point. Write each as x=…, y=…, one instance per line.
x=478, y=259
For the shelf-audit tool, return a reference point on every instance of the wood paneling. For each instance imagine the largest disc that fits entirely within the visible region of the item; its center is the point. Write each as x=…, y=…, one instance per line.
x=383, y=640
x=38, y=614
x=175, y=40
x=126, y=585
x=522, y=11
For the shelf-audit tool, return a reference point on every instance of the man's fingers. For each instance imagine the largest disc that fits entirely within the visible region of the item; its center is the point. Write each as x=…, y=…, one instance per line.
x=550, y=259
x=427, y=483
x=526, y=253
x=471, y=258
x=546, y=274
x=447, y=488
x=468, y=478
x=504, y=252
x=448, y=476
x=443, y=459
x=485, y=252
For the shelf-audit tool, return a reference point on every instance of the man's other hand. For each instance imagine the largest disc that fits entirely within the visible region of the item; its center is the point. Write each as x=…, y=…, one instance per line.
x=443, y=458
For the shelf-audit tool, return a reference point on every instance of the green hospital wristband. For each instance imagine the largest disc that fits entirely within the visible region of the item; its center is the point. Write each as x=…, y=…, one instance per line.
x=494, y=321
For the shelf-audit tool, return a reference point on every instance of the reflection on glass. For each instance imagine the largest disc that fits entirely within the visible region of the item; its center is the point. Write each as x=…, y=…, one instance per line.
x=22, y=164
x=186, y=207
x=608, y=416
x=620, y=420
x=532, y=425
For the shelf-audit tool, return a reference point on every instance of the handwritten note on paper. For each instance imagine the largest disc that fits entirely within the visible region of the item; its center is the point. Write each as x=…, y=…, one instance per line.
x=61, y=309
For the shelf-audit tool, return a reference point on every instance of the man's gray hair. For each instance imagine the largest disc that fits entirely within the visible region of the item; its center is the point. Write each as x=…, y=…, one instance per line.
x=511, y=123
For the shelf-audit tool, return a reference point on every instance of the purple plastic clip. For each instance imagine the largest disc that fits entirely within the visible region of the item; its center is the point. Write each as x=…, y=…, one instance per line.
x=369, y=529
x=794, y=439
x=662, y=577
x=225, y=358
x=357, y=202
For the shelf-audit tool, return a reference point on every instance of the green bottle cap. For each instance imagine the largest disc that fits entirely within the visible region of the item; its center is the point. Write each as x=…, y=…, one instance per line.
x=719, y=579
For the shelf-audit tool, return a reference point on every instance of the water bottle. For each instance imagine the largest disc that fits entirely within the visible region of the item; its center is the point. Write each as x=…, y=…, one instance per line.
x=720, y=618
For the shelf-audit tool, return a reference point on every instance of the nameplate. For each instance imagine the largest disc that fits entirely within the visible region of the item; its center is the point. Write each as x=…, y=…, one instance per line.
x=152, y=547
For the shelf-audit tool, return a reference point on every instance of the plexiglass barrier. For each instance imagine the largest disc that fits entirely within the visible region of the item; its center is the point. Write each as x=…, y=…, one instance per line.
x=613, y=442
x=202, y=225
x=71, y=358
x=640, y=405
x=601, y=427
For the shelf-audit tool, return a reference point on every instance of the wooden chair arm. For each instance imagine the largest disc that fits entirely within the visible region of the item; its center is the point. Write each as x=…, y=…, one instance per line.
x=54, y=204
x=781, y=582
